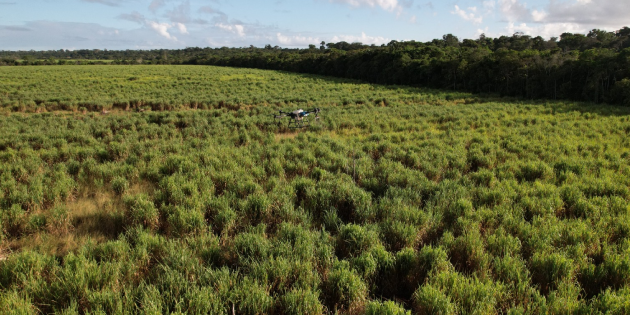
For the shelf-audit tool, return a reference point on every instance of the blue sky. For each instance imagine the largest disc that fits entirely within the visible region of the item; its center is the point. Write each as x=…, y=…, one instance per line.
x=153, y=24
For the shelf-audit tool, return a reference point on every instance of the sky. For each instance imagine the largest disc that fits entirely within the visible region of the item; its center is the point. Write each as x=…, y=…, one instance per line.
x=173, y=24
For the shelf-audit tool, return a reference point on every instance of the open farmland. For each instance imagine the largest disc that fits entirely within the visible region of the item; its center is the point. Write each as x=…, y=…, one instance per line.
x=399, y=200
x=95, y=88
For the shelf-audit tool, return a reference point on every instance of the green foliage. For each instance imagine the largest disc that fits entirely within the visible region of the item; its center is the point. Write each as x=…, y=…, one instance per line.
x=299, y=301
x=395, y=202
x=549, y=270
x=386, y=308
x=12, y=303
x=428, y=300
x=140, y=210
x=344, y=288
x=120, y=185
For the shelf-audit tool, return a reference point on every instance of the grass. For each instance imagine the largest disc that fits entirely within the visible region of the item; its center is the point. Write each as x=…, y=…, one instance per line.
x=176, y=87
x=397, y=201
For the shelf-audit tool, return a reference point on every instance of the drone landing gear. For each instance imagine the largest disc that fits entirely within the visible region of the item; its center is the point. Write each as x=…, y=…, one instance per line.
x=298, y=123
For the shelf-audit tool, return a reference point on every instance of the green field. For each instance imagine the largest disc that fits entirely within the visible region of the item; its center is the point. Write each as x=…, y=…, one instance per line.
x=398, y=200
x=47, y=88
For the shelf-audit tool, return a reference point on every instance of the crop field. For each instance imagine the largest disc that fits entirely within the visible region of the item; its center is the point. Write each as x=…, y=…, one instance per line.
x=399, y=200
x=93, y=88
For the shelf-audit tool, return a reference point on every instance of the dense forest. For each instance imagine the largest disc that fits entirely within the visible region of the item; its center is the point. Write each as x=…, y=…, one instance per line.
x=593, y=67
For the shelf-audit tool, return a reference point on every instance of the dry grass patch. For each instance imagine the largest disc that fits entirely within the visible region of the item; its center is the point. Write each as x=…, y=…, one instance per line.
x=94, y=219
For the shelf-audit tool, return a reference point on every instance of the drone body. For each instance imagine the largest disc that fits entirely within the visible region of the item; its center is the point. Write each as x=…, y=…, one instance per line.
x=298, y=118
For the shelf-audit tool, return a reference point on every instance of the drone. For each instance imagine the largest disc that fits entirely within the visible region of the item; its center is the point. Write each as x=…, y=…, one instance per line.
x=297, y=118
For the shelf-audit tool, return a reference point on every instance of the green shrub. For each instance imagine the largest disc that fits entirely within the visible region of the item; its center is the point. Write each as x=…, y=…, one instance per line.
x=549, y=270
x=510, y=270
x=354, y=239
x=534, y=171
x=397, y=235
x=59, y=221
x=257, y=208
x=251, y=246
x=299, y=301
x=181, y=221
x=385, y=308
x=467, y=253
x=500, y=244
x=120, y=185
x=203, y=301
x=14, y=304
x=253, y=298
x=429, y=300
x=365, y=265
x=150, y=299
x=13, y=220
x=343, y=288
x=140, y=210
x=612, y=302
x=351, y=202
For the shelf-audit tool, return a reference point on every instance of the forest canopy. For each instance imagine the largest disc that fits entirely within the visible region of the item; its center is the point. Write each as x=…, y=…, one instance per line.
x=591, y=67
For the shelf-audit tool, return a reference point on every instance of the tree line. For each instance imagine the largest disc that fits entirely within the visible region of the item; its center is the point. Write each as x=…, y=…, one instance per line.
x=593, y=67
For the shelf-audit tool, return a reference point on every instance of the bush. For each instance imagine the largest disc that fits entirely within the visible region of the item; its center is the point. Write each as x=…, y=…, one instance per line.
x=385, y=308
x=120, y=185
x=251, y=247
x=257, y=208
x=534, y=171
x=397, y=235
x=59, y=222
x=253, y=298
x=344, y=288
x=354, y=239
x=13, y=220
x=429, y=300
x=351, y=202
x=467, y=253
x=299, y=301
x=14, y=304
x=181, y=221
x=140, y=210
x=549, y=270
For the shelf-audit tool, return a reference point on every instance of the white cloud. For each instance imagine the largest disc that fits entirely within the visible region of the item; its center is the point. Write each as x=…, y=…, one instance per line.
x=46, y=35
x=388, y=5
x=601, y=14
x=513, y=10
x=181, y=27
x=538, y=16
x=606, y=14
x=482, y=31
x=468, y=16
x=377, y=40
x=544, y=30
x=162, y=29
x=296, y=40
x=234, y=28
